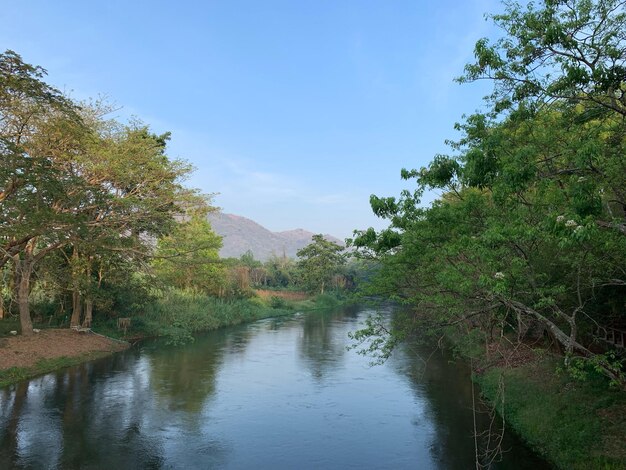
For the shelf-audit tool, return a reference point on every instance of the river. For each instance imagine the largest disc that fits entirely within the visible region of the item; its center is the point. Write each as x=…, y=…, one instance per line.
x=277, y=394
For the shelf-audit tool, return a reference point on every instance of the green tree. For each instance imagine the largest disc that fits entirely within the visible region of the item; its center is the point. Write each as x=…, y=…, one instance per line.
x=255, y=270
x=68, y=177
x=39, y=131
x=530, y=228
x=319, y=261
x=281, y=271
x=566, y=50
x=188, y=257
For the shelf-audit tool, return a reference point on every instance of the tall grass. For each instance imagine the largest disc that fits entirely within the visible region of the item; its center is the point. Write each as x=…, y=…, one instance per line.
x=178, y=314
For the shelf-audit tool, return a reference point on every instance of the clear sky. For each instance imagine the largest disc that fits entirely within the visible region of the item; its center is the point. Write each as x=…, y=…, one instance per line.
x=294, y=112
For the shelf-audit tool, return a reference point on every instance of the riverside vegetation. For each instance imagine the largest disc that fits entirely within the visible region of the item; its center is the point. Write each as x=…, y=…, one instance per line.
x=96, y=226
x=520, y=261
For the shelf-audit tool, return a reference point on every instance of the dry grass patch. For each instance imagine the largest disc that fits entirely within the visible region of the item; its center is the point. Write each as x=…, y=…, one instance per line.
x=283, y=294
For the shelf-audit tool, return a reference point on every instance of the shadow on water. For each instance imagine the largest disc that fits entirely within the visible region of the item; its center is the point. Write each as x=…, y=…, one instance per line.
x=279, y=393
x=110, y=413
x=183, y=378
x=445, y=383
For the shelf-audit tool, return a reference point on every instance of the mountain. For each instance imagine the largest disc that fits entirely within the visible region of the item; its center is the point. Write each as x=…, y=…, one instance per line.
x=241, y=234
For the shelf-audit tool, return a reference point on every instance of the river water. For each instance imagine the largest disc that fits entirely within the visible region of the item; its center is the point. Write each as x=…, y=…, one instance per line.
x=276, y=394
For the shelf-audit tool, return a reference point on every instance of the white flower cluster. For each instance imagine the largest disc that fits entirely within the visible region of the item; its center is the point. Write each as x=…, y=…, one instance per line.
x=499, y=275
x=570, y=223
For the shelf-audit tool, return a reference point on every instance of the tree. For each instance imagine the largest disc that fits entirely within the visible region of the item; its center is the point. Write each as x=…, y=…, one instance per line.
x=39, y=130
x=319, y=261
x=68, y=177
x=255, y=271
x=281, y=271
x=188, y=258
x=530, y=228
x=558, y=50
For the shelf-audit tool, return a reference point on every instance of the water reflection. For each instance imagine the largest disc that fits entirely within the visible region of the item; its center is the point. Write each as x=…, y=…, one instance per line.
x=79, y=418
x=282, y=393
x=184, y=378
x=11, y=405
x=444, y=384
x=321, y=348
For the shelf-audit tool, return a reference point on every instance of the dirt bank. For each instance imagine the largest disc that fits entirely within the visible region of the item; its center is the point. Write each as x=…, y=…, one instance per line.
x=27, y=351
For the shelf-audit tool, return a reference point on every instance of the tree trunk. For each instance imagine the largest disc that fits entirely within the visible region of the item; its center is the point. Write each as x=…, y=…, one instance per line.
x=322, y=292
x=76, y=298
x=569, y=350
x=76, y=308
x=569, y=341
x=88, y=313
x=24, y=270
x=16, y=275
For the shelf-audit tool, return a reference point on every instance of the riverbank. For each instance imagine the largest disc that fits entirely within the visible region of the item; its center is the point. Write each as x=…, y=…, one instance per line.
x=176, y=315
x=23, y=357
x=279, y=393
x=574, y=423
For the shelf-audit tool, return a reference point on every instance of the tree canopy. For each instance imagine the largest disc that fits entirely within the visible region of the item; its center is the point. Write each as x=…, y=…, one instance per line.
x=531, y=227
x=72, y=180
x=319, y=261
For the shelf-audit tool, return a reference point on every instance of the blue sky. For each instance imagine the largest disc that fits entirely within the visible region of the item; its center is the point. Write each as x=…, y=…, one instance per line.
x=294, y=112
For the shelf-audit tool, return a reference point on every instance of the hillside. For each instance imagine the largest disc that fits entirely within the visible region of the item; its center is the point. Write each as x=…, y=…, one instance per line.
x=241, y=234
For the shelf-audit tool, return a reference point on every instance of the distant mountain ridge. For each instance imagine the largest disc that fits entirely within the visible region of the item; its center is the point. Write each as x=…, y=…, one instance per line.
x=241, y=234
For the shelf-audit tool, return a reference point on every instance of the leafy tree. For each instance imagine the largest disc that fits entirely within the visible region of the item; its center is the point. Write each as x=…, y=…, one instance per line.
x=530, y=227
x=188, y=257
x=558, y=50
x=319, y=261
x=253, y=268
x=39, y=131
x=281, y=271
x=70, y=178
x=247, y=259
x=32, y=115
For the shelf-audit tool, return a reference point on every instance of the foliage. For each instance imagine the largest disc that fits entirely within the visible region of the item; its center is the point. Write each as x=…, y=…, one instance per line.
x=178, y=314
x=281, y=272
x=529, y=234
x=571, y=51
x=188, y=257
x=319, y=261
x=277, y=302
x=95, y=190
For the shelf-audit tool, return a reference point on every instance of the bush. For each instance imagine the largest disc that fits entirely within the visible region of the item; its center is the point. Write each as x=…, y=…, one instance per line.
x=178, y=314
x=277, y=302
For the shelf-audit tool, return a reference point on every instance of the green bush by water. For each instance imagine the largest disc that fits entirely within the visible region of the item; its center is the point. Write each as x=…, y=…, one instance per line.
x=178, y=314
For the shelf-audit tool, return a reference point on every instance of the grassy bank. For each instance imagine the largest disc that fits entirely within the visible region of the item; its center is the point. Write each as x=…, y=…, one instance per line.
x=174, y=314
x=44, y=366
x=574, y=424
x=178, y=314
